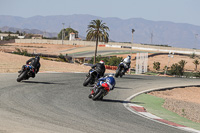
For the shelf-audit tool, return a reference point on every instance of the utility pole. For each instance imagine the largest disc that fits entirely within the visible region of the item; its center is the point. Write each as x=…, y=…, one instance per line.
x=63, y=32
x=196, y=35
x=132, y=41
x=151, y=38
x=131, y=48
x=170, y=55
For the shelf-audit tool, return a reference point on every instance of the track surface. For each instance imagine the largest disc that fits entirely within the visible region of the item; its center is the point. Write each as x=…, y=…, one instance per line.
x=100, y=52
x=58, y=103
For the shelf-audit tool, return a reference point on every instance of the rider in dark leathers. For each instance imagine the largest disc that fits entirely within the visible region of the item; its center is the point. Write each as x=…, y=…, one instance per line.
x=35, y=63
x=100, y=68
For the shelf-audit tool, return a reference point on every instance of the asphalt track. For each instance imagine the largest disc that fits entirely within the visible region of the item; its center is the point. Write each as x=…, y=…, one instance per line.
x=58, y=103
x=100, y=52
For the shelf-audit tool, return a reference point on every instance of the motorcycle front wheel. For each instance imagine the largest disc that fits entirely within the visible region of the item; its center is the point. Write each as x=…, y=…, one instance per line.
x=98, y=95
x=117, y=72
x=87, y=80
x=22, y=76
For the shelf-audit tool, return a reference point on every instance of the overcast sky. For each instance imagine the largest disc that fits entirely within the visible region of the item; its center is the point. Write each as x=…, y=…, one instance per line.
x=178, y=11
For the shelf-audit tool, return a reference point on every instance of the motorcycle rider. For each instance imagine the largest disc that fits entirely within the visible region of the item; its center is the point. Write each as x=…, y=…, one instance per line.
x=35, y=63
x=109, y=79
x=100, y=68
x=126, y=61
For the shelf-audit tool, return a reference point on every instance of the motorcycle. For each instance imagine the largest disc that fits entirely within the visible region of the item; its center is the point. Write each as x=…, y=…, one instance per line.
x=100, y=91
x=91, y=77
x=121, y=69
x=25, y=73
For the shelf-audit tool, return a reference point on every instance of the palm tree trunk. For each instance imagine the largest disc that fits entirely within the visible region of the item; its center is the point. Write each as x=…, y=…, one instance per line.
x=95, y=54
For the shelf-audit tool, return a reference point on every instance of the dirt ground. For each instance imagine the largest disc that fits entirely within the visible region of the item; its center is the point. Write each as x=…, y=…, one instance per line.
x=164, y=59
x=11, y=63
x=183, y=101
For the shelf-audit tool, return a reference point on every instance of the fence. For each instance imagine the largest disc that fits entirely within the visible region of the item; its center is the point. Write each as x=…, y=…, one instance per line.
x=141, y=63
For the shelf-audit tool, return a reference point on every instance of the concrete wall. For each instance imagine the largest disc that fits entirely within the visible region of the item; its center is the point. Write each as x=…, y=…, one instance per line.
x=140, y=47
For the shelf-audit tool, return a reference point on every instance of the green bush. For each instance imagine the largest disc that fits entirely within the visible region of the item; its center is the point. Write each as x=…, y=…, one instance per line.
x=176, y=69
x=190, y=74
x=156, y=65
x=192, y=55
x=62, y=57
x=112, y=61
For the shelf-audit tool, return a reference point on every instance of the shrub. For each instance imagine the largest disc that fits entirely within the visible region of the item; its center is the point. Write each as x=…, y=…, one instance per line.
x=156, y=65
x=62, y=57
x=176, y=69
x=112, y=61
x=192, y=55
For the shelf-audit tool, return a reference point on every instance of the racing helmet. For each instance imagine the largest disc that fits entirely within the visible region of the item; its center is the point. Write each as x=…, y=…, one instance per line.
x=129, y=57
x=111, y=75
x=37, y=58
x=102, y=62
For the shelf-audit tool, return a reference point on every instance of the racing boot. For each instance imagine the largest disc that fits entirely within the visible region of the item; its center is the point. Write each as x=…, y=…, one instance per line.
x=91, y=95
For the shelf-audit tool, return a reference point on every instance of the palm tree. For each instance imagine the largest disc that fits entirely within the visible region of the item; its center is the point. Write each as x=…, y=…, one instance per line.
x=97, y=31
x=196, y=63
x=182, y=63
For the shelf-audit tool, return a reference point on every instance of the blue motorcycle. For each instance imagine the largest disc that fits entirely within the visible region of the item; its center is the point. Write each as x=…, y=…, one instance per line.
x=25, y=73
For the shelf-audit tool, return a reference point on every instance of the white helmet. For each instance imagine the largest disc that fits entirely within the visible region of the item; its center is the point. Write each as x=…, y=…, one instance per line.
x=127, y=59
x=102, y=62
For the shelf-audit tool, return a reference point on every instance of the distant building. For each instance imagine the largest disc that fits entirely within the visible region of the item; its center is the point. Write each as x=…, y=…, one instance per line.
x=73, y=37
x=2, y=35
x=21, y=37
x=37, y=37
x=33, y=36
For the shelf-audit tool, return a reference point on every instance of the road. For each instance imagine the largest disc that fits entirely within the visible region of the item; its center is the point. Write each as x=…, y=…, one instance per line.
x=58, y=103
x=100, y=52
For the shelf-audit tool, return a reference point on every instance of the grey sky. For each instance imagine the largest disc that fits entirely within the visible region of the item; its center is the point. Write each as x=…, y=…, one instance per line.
x=179, y=11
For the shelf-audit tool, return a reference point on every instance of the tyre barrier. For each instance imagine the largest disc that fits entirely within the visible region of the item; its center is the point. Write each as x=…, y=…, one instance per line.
x=110, y=67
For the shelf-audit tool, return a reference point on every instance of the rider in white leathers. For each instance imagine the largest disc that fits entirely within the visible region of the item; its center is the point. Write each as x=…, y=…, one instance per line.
x=127, y=62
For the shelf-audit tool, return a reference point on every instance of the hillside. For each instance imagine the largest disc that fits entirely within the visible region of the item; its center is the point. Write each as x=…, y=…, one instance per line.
x=168, y=33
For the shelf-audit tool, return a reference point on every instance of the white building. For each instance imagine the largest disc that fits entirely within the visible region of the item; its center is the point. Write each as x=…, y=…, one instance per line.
x=72, y=36
x=2, y=35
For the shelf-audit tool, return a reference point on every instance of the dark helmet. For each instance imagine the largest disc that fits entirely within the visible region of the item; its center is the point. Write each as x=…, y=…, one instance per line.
x=37, y=58
x=129, y=57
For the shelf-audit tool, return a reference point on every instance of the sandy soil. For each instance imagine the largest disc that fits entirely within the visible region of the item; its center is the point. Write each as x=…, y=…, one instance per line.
x=183, y=101
x=164, y=59
x=11, y=63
